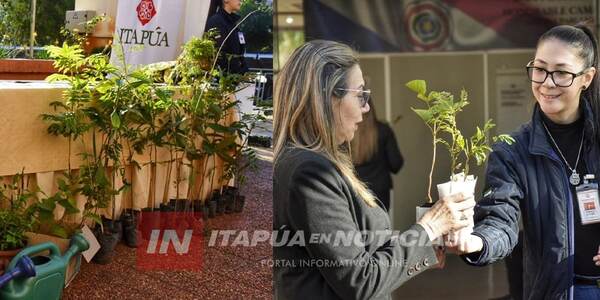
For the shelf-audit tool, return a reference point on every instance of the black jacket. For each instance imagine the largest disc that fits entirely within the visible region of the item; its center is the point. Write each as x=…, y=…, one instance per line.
x=311, y=197
x=231, y=59
x=528, y=180
x=376, y=172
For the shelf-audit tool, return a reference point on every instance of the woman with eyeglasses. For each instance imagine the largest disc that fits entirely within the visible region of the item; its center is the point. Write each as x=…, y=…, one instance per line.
x=541, y=179
x=332, y=240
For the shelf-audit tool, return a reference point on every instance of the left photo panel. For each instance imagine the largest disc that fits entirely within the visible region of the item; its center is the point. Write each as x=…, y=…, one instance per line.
x=136, y=157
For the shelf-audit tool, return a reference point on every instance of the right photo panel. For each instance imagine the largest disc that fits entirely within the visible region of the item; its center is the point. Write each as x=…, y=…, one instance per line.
x=429, y=149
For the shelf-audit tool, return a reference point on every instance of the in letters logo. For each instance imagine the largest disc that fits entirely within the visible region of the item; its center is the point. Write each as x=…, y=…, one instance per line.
x=170, y=241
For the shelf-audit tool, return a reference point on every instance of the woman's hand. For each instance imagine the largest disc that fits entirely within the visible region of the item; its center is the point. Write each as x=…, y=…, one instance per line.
x=472, y=243
x=597, y=258
x=448, y=214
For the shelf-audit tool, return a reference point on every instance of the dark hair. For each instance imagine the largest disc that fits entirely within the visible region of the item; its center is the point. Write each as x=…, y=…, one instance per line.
x=581, y=38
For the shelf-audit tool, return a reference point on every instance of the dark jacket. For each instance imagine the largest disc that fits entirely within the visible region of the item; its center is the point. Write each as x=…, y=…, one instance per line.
x=231, y=59
x=528, y=180
x=311, y=197
x=376, y=172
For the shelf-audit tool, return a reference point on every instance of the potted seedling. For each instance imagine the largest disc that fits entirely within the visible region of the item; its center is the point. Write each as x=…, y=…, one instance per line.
x=15, y=218
x=94, y=110
x=439, y=115
x=244, y=158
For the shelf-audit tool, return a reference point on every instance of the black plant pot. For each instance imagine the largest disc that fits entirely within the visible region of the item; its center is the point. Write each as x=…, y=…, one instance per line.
x=220, y=206
x=216, y=196
x=205, y=212
x=167, y=207
x=201, y=210
x=229, y=203
x=212, y=208
x=181, y=204
x=113, y=226
x=130, y=231
x=108, y=241
x=230, y=190
x=238, y=204
x=197, y=205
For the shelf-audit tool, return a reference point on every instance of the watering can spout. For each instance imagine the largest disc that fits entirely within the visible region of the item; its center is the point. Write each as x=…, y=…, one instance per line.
x=78, y=244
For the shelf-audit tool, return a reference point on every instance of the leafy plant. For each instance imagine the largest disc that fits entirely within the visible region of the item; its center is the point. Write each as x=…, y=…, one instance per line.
x=244, y=157
x=121, y=113
x=440, y=117
x=77, y=118
x=15, y=218
x=46, y=222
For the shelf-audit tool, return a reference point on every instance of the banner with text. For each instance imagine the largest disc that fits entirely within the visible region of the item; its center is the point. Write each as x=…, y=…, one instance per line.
x=154, y=30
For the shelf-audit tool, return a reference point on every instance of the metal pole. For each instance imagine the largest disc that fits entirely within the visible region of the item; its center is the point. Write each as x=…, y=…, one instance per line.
x=32, y=32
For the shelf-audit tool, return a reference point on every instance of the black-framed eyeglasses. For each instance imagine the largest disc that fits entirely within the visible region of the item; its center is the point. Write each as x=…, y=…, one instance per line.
x=560, y=78
x=364, y=95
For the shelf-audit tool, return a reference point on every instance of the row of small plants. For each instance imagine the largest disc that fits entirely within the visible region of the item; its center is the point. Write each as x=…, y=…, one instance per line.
x=123, y=119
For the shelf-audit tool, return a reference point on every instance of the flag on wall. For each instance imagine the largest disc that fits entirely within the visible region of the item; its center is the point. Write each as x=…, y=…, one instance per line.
x=435, y=25
x=155, y=30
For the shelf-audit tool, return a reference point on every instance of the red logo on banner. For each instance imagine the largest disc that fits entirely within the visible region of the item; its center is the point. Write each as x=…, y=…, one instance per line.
x=170, y=241
x=145, y=11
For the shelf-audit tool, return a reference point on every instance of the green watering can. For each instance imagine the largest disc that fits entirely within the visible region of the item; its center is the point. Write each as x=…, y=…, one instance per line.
x=49, y=281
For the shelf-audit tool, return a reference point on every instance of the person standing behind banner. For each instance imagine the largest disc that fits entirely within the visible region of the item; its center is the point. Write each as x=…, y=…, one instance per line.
x=375, y=155
x=231, y=59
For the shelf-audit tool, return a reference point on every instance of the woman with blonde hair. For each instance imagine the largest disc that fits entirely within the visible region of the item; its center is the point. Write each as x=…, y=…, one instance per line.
x=332, y=240
x=376, y=156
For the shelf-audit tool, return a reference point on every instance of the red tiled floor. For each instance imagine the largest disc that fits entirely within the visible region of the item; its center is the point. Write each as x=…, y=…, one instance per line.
x=227, y=272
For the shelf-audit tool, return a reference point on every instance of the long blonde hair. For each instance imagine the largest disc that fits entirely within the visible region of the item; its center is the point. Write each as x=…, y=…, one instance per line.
x=366, y=138
x=303, y=105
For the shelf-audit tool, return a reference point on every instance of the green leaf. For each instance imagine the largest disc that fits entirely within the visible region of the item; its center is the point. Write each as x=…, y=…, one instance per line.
x=57, y=77
x=100, y=177
x=460, y=142
x=423, y=97
x=70, y=206
x=96, y=218
x=418, y=86
x=47, y=204
x=59, y=231
x=104, y=87
x=218, y=127
x=46, y=216
x=424, y=114
x=115, y=119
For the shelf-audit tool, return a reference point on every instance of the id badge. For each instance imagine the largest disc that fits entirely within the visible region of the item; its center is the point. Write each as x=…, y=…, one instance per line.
x=589, y=203
x=241, y=37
